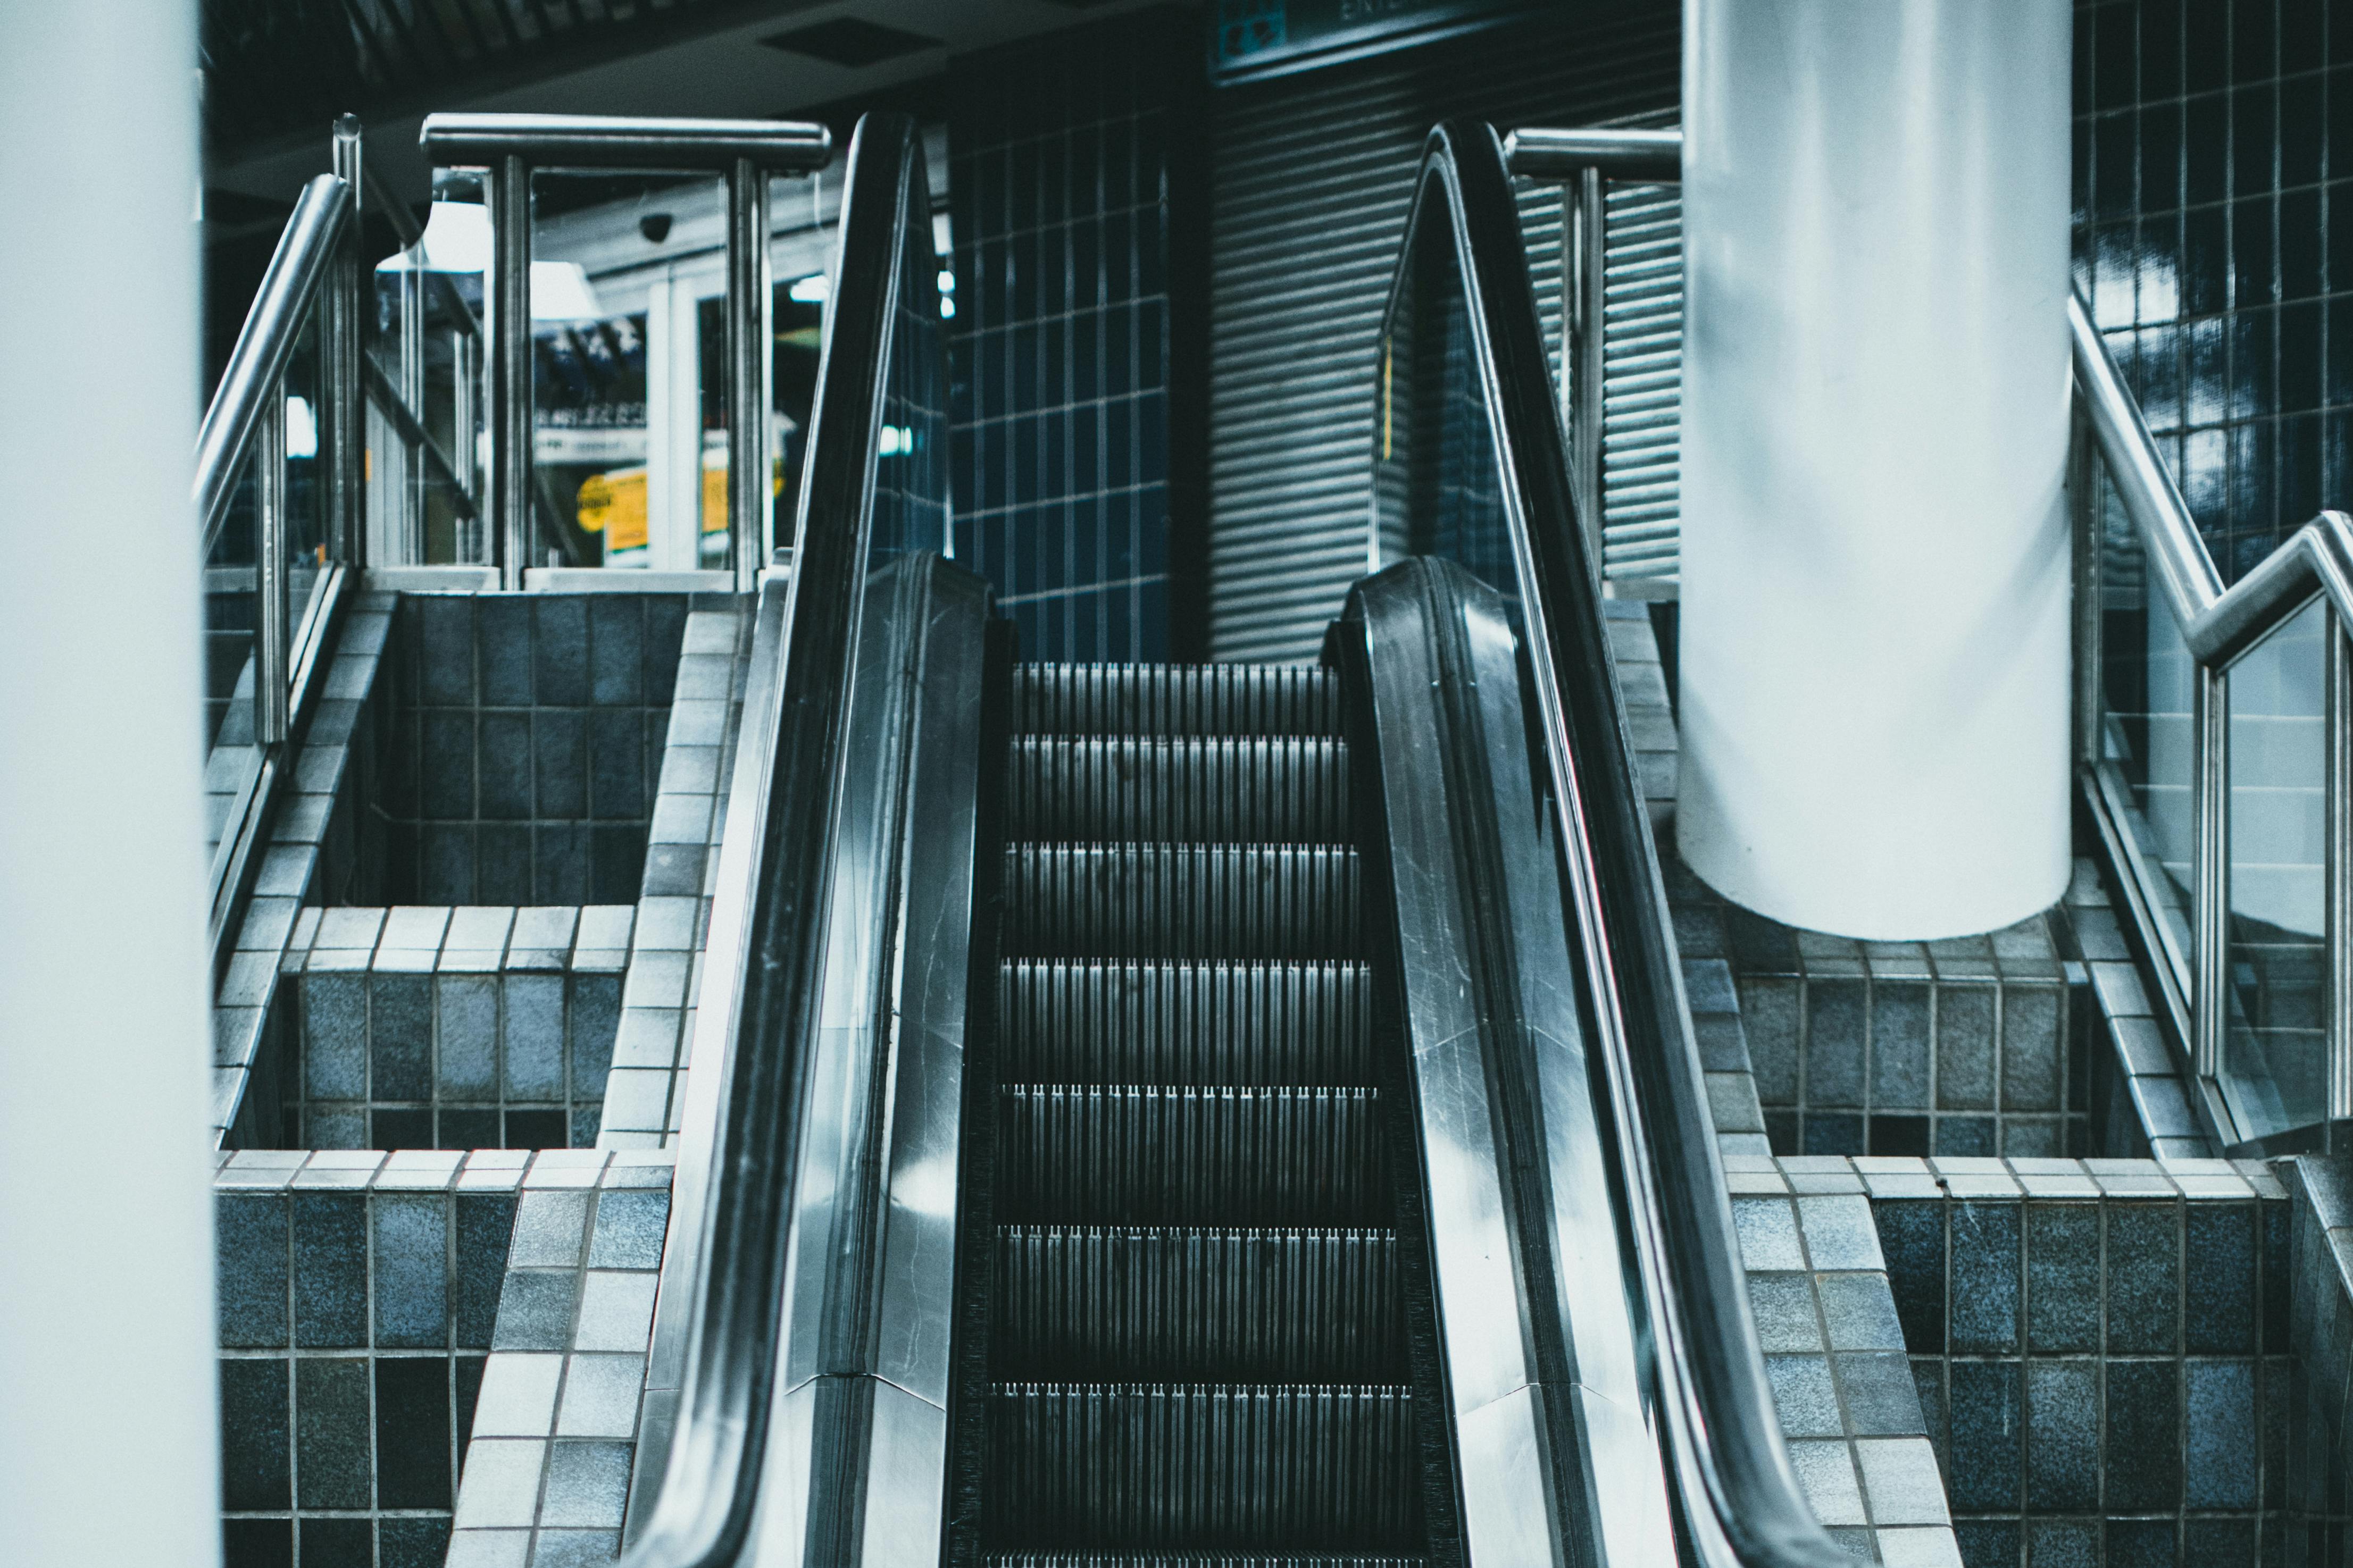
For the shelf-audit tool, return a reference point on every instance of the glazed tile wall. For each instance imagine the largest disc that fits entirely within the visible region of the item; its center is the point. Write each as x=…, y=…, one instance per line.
x=2103, y=1352
x=1060, y=192
x=2214, y=236
x=665, y=967
x=435, y=1029
x=519, y=743
x=547, y=1478
x=358, y=1294
x=2320, y=1404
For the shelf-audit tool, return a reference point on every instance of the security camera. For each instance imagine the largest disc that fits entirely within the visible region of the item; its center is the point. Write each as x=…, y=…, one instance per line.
x=655, y=227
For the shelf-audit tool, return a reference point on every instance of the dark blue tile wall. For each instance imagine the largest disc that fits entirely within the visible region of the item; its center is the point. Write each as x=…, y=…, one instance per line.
x=1061, y=195
x=519, y=742
x=2214, y=237
x=2105, y=1381
x=353, y=1326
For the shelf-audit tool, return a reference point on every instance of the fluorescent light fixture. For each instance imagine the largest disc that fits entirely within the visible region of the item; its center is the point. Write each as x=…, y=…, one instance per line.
x=301, y=429
x=947, y=281
x=947, y=308
x=895, y=440
x=812, y=289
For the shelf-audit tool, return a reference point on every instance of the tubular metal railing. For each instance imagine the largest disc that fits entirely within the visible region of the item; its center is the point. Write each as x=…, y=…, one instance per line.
x=723, y=1319
x=2217, y=629
x=1584, y=161
x=510, y=149
x=1471, y=320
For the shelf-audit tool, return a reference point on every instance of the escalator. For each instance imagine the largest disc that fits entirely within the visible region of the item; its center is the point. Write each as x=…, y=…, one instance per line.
x=1200, y=1115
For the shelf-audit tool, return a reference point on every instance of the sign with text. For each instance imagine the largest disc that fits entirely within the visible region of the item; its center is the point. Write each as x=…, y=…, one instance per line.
x=1254, y=38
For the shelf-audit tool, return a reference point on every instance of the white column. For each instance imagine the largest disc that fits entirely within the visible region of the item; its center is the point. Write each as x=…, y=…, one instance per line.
x=673, y=426
x=106, y=1276
x=1874, y=626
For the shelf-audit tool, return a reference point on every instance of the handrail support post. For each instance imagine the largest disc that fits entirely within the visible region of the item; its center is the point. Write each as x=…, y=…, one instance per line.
x=345, y=416
x=271, y=629
x=1592, y=301
x=2209, y=727
x=2338, y=855
x=510, y=400
x=2084, y=508
x=749, y=351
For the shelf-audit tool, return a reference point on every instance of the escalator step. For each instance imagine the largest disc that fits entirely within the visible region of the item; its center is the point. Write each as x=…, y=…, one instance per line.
x=1180, y=900
x=1294, y=1306
x=1203, y=789
x=1175, y=699
x=1070, y=1154
x=1184, y=1022
x=1154, y=1465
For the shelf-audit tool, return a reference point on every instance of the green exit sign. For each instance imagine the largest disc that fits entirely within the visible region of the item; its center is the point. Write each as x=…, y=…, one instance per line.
x=1254, y=38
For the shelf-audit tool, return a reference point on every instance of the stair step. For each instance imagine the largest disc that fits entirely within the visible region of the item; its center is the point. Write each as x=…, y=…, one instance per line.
x=1202, y=1466
x=1180, y=900
x=1184, y=1022
x=1175, y=699
x=1093, y=1154
x=1216, y=789
x=1290, y=1305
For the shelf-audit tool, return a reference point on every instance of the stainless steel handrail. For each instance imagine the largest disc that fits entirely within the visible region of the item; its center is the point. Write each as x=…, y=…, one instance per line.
x=763, y=1000
x=1547, y=153
x=2218, y=626
x=257, y=365
x=510, y=149
x=1738, y=1497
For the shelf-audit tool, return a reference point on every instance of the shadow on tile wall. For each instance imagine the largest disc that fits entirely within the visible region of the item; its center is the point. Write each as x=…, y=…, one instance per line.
x=2213, y=203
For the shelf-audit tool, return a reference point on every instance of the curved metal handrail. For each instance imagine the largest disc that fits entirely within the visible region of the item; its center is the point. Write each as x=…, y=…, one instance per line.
x=264, y=345
x=2218, y=623
x=764, y=973
x=1719, y=1409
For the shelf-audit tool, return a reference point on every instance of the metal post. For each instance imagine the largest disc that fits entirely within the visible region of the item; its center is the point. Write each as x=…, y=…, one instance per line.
x=2210, y=731
x=2084, y=511
x=472, y=543
x=2338, y=853
x=749, y=483
x=508, y=327
x=1584, y=430
x=271, y=629
x=412, y=394
x=344, y=418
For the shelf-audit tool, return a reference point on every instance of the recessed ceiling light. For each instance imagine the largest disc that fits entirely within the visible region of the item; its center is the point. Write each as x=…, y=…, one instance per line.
x=848, y=41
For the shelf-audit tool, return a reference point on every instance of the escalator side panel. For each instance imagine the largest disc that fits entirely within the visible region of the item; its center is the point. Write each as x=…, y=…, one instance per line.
x=1544, y=1388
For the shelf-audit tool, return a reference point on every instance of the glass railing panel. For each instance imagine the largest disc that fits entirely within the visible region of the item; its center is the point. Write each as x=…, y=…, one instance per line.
x=628, y=286
x=911, y=471
x=232, y=619
x=309, y=464
x=2274, y=1057
x=804, y=217
x=1437, y=473
x=2147, y=679
x=427, y=346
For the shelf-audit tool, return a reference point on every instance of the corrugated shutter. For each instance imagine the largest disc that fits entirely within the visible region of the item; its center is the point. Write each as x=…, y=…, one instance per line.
x=1641, y=382
x=1312, y=178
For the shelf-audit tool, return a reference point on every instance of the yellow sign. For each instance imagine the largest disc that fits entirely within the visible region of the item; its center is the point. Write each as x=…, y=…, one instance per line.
x=614, y=504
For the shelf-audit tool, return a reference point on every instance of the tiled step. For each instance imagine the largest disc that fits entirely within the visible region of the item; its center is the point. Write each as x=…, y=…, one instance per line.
x=1192, y=1466
x=1219, y=789
x=1175, y=699
x=1181, y=1304
x=1273, y=1023
x=1072, y=1154
x=1180, y=900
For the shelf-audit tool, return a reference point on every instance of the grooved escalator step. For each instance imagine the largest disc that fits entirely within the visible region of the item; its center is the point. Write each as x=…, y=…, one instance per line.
x=1188, y=1303
x=1180, y=900
x=1144, y=1466
x=1087, y=1155
x=1184, y=1022
x=1219, y=789
x=1175, y=699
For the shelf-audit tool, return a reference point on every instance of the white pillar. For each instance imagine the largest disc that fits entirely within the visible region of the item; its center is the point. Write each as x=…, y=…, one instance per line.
x=1874, y=623
x=106, y=1301
x=673, y=426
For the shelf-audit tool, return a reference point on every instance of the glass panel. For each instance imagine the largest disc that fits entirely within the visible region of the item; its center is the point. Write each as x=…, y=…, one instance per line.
x=428, y=308
x=2274, y=1061
x=804, y=218
x=628, y=282
x=1437, y=475
x=2147, y=681
x=308, y=466
x=232, y=616
x=911, y=477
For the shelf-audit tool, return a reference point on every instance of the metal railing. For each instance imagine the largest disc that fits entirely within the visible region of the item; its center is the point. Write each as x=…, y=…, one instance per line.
x=1637, y=556
x=2219, y=628
x=510, y=149
x=1514, y=517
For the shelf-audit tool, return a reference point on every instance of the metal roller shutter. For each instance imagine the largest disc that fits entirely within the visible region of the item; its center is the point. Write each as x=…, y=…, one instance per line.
x=1312, y=177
